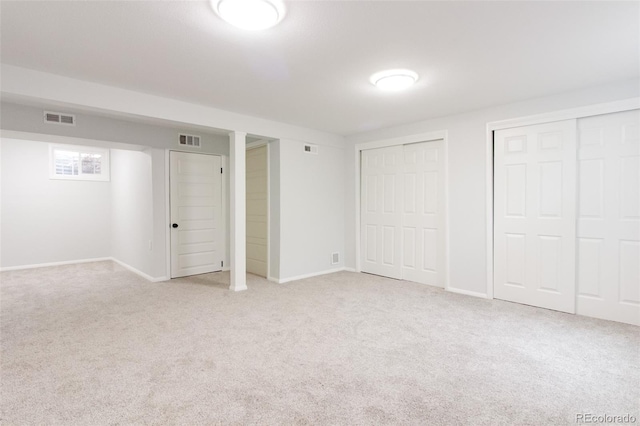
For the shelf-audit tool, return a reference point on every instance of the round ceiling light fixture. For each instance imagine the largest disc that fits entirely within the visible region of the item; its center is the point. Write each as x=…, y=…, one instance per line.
x=394, y=80
x=250, y=14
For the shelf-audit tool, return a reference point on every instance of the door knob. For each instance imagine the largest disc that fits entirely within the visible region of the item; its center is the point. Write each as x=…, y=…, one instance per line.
x=175, y=225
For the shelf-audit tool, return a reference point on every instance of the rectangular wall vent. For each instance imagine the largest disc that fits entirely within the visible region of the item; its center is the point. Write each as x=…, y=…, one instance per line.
x=311, y=149
x=190, y=140
x=59, y=118
x=335, y=258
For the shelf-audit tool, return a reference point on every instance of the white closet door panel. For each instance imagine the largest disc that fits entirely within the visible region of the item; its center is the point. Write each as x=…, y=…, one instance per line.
x=423, y=213
x=608, y=242
x=380, y=207
x=534, y=215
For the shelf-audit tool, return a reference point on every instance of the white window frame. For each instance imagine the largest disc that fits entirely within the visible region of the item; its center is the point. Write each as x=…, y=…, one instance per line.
x=105, y=174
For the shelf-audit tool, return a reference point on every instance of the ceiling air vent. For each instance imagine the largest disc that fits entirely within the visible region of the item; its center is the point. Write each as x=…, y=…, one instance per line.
x=311, y=149
x=190, y=140
x=59, y=118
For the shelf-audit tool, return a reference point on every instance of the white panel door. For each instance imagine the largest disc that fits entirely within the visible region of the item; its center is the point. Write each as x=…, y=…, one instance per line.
x=257, y=211
x=609, y=217
x=534, y=215
x=380, y=212
x=196, y=213
x=423, y=216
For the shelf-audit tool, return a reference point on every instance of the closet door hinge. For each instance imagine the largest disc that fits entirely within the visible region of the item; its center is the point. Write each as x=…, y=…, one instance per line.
x=220, y=170
x=222, y=263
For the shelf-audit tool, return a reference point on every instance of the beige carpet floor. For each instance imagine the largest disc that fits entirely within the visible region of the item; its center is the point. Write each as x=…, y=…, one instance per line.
x=94, y=344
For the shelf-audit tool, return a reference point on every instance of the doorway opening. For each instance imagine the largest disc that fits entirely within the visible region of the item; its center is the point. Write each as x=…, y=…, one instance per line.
x=257, y=179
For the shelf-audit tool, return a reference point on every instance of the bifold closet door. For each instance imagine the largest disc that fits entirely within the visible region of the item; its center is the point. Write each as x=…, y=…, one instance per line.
x=535, y=215
x=380, y=207
x=609, y=217
x=423, y=239
x=402, y=202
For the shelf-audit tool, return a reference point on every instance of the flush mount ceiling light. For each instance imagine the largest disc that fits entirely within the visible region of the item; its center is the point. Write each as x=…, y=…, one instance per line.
x=250, y=14
x=394, y=80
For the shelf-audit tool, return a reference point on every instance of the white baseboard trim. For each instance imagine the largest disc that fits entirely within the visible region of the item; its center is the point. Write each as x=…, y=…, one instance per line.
x=138, y=272
x=44, y=265
x=350, y=269
x=273, y=280
x=313, y=274
x=467, y=292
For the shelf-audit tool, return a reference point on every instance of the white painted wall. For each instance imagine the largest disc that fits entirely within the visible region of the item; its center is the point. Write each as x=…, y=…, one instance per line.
x=467, y=173
x=45, y=220
x=160, y=252
x=311, y=209
x=132, y=209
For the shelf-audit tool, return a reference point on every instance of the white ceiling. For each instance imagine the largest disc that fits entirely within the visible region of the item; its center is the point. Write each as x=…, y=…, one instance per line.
x=313, y=68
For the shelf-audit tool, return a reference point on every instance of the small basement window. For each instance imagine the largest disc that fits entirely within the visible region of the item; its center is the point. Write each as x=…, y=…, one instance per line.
x=73, y=162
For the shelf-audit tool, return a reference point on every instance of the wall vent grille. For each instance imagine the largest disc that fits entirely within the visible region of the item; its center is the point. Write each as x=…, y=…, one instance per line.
x=335, y=258
x=311, y=149
x=189, y=140
x=59, y=118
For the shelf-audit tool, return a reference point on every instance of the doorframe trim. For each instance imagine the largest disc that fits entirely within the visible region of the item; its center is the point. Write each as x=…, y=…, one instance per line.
x=404, y=140
x=257, y=144
x=167, y=193
x=565, y=114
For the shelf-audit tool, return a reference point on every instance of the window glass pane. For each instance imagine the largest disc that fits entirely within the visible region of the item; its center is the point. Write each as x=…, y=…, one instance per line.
x=91, y=164
x=66, y=162
x=79, y=163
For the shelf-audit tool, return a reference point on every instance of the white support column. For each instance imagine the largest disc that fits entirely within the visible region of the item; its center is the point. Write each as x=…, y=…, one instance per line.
x=238, y=211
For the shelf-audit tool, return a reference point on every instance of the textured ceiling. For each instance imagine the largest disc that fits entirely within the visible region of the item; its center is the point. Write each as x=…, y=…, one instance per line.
x=313, y=68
